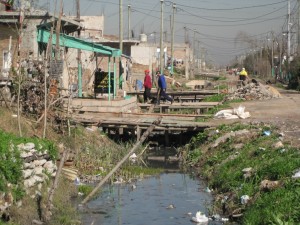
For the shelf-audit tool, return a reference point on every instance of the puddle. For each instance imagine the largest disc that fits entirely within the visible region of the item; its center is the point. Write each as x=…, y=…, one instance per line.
x=166, y=199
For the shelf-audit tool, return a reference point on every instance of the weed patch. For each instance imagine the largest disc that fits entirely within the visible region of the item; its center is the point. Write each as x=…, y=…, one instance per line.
x=223, y=166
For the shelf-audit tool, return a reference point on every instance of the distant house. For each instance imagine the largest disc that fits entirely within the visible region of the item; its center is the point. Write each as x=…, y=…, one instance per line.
x=31, y=46
x=18, y=36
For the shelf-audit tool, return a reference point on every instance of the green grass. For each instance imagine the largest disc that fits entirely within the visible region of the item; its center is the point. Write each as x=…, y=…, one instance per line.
x=221, y=87
x=214, y=98
x=280, y=206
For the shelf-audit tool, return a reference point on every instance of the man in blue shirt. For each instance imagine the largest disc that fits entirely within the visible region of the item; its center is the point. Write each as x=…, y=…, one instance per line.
x=162, y=87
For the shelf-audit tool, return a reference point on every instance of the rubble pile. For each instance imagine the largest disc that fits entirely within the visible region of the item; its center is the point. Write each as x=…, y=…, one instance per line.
x=37, y=169
x=254, y=91
x=37, y=165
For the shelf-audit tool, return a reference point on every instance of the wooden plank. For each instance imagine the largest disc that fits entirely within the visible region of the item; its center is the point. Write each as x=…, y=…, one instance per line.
x=188, y=117
x=196, y=92
x=181, y=104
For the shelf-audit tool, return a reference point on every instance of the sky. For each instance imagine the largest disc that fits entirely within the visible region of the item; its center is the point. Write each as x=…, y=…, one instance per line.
x=215, y=23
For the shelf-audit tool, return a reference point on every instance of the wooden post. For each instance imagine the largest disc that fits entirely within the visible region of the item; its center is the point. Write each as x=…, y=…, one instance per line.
x=58, y=27
x=138, y=133
x=180, y=137
x=167, y=141
x=137, y=144
x=54, y=186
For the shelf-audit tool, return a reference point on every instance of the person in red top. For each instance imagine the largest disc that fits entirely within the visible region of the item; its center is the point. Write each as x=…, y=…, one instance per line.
x=147, y=86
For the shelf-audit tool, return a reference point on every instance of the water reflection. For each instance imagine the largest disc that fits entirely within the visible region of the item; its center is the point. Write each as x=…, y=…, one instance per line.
x=167, y=199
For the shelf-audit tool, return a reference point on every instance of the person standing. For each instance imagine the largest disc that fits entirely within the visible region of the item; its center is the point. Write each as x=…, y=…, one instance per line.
x=243, y=74
x=147, y=86
x=162, y=87
x=9, y=5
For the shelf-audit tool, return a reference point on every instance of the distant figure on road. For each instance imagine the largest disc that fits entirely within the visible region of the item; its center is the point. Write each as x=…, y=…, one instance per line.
x=162, y=87
x=147, y=86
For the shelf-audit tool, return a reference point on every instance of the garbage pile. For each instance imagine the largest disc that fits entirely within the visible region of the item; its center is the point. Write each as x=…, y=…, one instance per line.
x=236, y=113
x=254, y=91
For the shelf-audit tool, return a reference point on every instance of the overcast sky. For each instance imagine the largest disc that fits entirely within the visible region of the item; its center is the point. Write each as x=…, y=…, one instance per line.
x=216, y=22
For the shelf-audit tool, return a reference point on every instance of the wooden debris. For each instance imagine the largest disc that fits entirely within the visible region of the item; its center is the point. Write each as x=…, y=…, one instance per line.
x=137, y=144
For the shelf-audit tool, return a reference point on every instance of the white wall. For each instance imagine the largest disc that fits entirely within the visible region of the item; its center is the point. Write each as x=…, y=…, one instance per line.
x=144, y=55
x=94, y=26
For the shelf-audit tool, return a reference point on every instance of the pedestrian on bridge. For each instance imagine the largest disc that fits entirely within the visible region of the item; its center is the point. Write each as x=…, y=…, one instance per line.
x=162, y=88
x=147, y=86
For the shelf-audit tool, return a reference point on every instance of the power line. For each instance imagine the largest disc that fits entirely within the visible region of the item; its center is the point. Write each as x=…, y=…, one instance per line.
x=219, y=25
x=228, y=9
x=233, y=21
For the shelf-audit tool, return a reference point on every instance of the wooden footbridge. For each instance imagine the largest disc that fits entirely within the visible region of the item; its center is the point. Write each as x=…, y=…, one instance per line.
x=127, y=116
x=180, y=96
x=136, y=125
x=197, y=107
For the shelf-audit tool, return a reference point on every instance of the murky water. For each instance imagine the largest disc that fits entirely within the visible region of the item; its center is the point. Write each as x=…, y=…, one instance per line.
x=149, y=202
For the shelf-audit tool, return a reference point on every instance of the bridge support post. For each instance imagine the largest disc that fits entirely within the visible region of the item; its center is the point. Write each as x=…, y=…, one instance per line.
x=180, y=138
x=167, y=139
x=138, y=133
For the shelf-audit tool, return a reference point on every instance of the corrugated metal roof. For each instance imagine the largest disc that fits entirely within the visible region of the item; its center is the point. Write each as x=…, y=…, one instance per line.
x=73, y=42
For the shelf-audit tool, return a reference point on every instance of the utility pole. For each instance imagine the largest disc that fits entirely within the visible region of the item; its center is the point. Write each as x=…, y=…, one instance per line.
x=280, y=55
x=119, y=84
x=161, y=37
x=194, y=50
x=298, y=31
x=204, y=56
x=289, y=32
x=198, y=57
x=165, y=36
x=48, y=5
x=185, y=35
x=121, y=25
x=260, y=54
x=272, y=55
x=272, y=52
x=129, y=15
x=172, y=39
x=58, y=27
x=79, y=52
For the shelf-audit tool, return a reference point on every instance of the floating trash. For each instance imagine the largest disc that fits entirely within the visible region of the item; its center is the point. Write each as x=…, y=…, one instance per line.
x=216, y=217
x=171, y=206
x=200, y=218
x=267, y=132
x=207, y=190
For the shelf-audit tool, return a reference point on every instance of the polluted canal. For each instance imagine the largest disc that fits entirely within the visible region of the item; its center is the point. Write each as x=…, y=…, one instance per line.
x=168, y=198
x=165, y=199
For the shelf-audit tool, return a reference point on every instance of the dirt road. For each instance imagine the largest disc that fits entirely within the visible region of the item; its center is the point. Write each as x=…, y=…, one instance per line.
x=283, y=112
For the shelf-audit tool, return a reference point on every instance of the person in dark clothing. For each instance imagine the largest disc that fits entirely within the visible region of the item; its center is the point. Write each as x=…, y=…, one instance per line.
x=9, y=5
x=162, y=87
x=147, y=86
